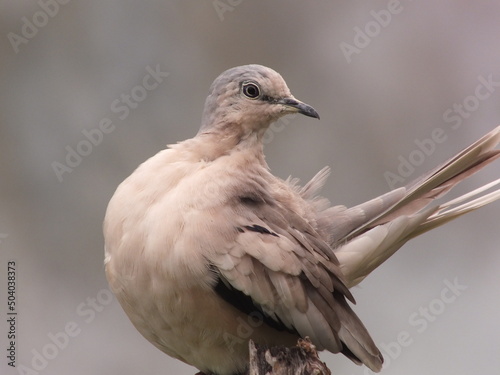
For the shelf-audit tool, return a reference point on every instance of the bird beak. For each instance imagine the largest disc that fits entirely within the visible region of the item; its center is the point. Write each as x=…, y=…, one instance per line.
x=297, y=106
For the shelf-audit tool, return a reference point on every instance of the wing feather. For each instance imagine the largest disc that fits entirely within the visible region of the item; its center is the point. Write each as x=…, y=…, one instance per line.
x=288, y=272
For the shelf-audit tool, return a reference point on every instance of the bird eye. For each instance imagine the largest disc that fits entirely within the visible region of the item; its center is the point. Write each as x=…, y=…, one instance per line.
x=250, y=90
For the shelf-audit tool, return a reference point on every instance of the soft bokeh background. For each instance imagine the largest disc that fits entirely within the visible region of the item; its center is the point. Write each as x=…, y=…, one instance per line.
x=395, y=91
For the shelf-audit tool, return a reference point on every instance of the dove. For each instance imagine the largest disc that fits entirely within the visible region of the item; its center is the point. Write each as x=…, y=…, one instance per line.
x=205, y=249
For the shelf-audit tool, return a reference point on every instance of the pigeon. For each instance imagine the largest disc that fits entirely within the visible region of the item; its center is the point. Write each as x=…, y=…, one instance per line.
x=205, y=249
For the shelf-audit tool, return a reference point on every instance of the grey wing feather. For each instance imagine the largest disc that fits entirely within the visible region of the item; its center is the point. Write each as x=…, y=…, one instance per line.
x=295, y=279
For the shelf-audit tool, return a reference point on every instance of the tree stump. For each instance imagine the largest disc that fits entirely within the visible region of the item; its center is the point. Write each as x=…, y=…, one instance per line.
x=302, y=359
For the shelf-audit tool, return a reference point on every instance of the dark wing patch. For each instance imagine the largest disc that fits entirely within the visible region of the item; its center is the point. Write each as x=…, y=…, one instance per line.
x=260, y=229
x=245, y=304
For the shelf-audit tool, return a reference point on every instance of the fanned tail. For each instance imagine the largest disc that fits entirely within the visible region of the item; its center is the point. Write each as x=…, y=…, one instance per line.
x=378, y=228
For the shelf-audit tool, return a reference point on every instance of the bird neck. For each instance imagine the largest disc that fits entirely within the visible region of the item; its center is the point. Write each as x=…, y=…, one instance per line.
x=219, y=142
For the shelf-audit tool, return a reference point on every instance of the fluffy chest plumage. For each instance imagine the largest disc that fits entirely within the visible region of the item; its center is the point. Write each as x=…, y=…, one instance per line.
x=159, y=238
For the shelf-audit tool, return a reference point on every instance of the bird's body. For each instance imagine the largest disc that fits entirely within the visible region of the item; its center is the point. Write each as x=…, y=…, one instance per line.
x=174, y=279
x=206, y=249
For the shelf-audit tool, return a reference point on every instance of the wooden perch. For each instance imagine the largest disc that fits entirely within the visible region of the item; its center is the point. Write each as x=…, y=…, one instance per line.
x=302, y=359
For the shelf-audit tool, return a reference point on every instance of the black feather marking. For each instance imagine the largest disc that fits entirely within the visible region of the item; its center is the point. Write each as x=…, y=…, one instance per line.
x=245, y=304
x=250, y=201
x=259, y=229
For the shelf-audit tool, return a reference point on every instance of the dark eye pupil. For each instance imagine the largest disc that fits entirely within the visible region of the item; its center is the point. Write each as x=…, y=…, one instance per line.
x=251, y=90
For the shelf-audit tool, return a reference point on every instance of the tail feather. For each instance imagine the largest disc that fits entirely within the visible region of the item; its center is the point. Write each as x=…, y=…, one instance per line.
x=446, y=212
x=360, y=256
x=368, y=244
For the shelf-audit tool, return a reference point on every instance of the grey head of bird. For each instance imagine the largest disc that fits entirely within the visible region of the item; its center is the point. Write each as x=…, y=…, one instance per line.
x=246, y=99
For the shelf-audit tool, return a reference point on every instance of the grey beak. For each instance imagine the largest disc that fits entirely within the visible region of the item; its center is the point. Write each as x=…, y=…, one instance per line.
x=299, y=107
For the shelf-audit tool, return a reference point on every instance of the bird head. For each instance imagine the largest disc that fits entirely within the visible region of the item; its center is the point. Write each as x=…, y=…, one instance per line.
x=247, y=99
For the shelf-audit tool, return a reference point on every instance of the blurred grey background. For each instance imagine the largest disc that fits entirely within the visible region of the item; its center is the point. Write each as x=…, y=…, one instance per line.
x=384, y=76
